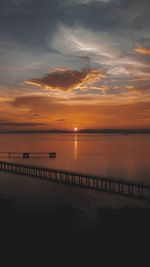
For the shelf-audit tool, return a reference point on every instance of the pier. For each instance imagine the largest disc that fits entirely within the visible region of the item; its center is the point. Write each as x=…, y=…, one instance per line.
x=26, y=155
x=115, y=186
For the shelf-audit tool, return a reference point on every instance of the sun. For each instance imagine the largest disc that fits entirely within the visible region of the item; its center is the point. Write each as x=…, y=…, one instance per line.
x=75, y=129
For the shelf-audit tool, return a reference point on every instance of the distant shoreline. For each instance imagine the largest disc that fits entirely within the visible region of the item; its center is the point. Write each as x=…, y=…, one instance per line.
x=86, y=131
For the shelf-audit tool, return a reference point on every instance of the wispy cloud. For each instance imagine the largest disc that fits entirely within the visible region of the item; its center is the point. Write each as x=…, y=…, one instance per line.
x=100, y=48
x=80, y=42
x=142, y=50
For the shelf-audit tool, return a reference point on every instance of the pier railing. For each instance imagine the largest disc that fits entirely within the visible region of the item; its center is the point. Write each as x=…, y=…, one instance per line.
x=135, y=190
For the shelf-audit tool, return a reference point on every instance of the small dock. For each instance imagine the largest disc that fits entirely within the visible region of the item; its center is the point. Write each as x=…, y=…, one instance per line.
x=26, y=155
x=115, y=186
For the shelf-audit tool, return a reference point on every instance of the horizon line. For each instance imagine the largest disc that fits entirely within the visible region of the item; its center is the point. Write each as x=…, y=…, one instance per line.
x=104, y=130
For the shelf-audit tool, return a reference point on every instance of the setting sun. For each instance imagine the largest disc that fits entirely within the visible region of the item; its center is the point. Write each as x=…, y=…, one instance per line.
x=75, y=129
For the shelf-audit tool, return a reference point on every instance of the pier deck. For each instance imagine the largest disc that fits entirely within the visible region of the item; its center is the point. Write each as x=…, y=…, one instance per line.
x=116, y=186
x=26, y=155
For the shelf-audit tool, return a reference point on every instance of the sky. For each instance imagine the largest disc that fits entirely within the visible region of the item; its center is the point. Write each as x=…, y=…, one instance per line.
x=74, y=63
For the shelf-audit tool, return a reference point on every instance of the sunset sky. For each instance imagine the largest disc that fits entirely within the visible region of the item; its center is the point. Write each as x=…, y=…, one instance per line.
x=74, y=63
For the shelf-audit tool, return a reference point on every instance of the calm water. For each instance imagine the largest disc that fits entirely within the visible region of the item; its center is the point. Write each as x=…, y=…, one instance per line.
x=118, y=156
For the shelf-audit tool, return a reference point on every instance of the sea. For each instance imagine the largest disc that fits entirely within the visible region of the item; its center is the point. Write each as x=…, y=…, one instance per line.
x=118, y=156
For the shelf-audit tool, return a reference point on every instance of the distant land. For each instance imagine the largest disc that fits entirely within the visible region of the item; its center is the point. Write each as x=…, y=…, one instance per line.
x=84, y=131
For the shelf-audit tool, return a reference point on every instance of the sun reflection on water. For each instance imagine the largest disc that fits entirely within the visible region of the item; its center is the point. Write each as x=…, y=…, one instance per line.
x=75, y=146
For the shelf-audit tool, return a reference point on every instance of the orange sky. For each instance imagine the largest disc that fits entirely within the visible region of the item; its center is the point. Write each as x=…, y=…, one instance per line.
x=46, y=112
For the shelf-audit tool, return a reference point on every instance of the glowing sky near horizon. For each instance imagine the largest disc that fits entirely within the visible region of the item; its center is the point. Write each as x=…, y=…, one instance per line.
x=66, y=64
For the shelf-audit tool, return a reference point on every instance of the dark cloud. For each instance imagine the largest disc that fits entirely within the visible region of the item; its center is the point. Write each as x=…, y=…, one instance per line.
x=39, y=104
x=110, y=15
x=29, y=22
x=21, y=124
x=88, y=92
x=65, y=79
x=32, y=22
x=31, y=101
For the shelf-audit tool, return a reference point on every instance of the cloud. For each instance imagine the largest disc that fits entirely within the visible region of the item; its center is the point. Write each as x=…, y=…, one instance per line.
x=88, y=1
x=141, y=50
x=100, y=48
x=90, y=34
x=21, y=124
x=37, y=106
x=83, y=43
x=31, y=101
x=67, y=79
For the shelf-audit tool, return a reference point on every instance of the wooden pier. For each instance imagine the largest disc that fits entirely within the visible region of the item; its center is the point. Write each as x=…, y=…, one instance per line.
x=26, y=155
x=116, y=186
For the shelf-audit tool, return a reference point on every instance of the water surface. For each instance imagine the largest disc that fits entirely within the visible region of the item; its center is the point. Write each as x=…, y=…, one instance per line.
x=124, y=157
x=120, y=156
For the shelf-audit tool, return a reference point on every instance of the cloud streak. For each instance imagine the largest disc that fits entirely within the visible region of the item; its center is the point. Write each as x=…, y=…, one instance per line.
x=21, y=124
x=142, y=50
